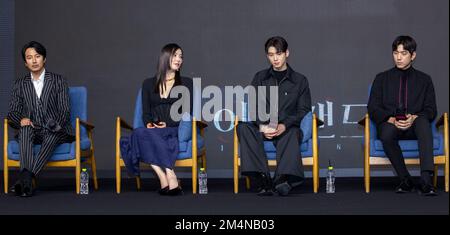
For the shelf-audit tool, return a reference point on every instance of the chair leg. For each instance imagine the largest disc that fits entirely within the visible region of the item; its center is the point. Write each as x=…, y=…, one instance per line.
x=236, y=178
x=5, y=178
x=138, y=183
x=315, y=182
x=435, y=175
x=204, y=160
x=194, y=179
x=77, y=178
x=118, y=178
x=94, y=172
x=446, y=176
x=247, y=183
x=367, y=178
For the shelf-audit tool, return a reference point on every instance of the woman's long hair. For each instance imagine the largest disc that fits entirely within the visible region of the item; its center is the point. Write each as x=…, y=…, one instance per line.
x=167, y=52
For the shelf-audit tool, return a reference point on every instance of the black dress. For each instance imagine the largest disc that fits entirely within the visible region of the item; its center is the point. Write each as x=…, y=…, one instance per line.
x=157, y=146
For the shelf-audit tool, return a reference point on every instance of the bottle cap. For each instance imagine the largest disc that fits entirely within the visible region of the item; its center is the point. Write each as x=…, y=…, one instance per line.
x=83, y=170
x=330, y=168
x=202, y=169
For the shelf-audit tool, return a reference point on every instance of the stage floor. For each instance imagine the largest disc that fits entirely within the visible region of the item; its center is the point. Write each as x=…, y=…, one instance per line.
x=57, y=196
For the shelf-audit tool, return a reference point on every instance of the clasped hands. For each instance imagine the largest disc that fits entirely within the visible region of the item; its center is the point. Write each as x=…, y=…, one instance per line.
x=403, y=124
x=271, y=132
x=156, y=125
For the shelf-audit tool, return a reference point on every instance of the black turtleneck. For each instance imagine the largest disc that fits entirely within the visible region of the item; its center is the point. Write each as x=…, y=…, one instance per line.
x=279, y=75
x=410, y=90
x=403, y=90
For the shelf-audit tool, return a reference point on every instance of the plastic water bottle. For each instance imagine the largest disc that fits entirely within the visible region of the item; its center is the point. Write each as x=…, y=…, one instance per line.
x=202, y=181
x=330, y=179
x=84, y=182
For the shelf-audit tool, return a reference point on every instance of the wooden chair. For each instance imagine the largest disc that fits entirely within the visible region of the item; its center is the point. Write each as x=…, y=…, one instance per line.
x=374, y=154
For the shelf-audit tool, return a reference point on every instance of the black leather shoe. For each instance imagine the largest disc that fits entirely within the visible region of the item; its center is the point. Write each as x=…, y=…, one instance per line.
x=16, y=188
x=283, y=189
x=28, y=184
x=406, y=186
x=163, y=191
x=175, y=191
x=427, y=189
x=265, y=187
x=264, y=192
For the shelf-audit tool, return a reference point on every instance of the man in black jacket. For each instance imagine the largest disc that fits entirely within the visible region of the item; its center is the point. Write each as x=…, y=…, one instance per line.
x=294, y=102
x=402, y=103
x=40, y=110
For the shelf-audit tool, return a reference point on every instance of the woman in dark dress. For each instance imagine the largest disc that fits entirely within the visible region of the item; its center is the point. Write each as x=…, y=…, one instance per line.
x=157, y=143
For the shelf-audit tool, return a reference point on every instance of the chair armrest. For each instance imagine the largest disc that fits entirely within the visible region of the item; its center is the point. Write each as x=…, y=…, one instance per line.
x=87, y=125
x=319, y=122
x=11, y=124
x=442, y=120
x=201, y=124
x=362, y=121
x=124, y=124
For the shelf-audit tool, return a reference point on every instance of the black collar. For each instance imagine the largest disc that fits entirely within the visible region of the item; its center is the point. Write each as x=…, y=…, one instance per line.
x=270, y=73
x=406, y=72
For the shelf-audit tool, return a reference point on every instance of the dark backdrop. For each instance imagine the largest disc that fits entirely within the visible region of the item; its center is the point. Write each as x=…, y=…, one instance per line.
x=112, y=46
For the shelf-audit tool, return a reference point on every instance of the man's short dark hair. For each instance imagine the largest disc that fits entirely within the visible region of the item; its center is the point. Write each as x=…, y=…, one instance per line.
x=408, y=43
x=278, y=42
x=40, y=49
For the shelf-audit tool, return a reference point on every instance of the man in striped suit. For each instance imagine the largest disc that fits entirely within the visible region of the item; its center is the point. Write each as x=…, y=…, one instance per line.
x=40, y=111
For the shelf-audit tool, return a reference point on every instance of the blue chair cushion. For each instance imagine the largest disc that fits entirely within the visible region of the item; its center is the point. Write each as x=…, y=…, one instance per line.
x=185, y=129
x=78, y=107
x=62, y=152
x=306, y=127
x=185, y=150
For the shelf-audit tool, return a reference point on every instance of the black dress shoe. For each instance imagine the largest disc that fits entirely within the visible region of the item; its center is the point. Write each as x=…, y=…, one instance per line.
x=406, y=186
x=28, y=184
x=265, y=184
x=283, y=189
x=175, y=191
x=427, y=189
x=264, y=192
x=16, y=188
x=163, y=191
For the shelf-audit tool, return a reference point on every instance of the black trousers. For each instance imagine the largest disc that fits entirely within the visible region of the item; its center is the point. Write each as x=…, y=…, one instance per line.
x=253, y=156
x=28, y=136
x=420, y=130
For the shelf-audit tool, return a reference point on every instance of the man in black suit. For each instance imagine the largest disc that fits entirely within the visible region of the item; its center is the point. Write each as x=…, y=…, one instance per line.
x=293, y=103
x=402, y=103
x=40, y=110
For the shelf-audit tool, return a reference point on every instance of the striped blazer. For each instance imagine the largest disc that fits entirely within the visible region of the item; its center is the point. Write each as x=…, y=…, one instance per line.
x=54, y=99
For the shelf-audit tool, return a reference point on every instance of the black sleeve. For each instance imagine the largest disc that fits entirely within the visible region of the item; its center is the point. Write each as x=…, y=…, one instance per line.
x=16, y=105
x=147, y=90
x=375, y=106
x=429, y=109
x=62, y=90
x=303, y=106
x=255, y=83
